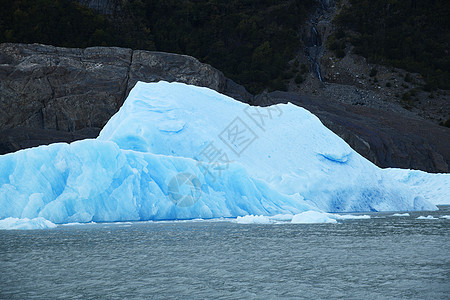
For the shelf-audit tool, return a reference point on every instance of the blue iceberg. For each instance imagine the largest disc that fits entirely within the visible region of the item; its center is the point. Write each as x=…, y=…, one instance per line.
x=175, y=151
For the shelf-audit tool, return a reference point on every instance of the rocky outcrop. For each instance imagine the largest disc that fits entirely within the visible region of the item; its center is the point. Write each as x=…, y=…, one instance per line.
x=50, y=89
x=61, y=89
x=50, y=94
x=350, y=78
x=152, y=66
x=388, y=118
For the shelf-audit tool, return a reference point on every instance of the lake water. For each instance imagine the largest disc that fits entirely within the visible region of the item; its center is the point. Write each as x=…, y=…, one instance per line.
x=384, y=257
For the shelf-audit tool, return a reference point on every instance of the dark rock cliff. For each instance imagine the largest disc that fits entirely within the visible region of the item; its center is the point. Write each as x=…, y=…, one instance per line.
x=50, y=94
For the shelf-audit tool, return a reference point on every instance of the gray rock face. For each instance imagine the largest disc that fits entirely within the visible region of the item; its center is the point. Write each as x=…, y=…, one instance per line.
x=50, y=94
x=49, y=89
x=60, y=89
x=152, y=66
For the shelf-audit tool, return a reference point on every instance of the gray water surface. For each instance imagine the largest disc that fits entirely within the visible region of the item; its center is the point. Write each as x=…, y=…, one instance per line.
x=383, y=257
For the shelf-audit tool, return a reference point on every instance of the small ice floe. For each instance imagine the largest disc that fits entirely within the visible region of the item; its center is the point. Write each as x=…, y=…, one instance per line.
x=401, y=215
x=122, y=223
x=25, y=223
x=77, y=224
x=72, y=224
x=312, y=217
x=282, y=217
x=350, y=217
x=429, y=217
x=251, y=219
x=306, y=217
x=446, y=217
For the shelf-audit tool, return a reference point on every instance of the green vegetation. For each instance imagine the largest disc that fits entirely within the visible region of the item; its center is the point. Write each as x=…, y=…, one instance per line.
x=299, y=79
x=304, y=69
x=61, y=23
x=337, y=44
x=446, y=123
x=408, y=78
x=251, y=41
x=411, y=34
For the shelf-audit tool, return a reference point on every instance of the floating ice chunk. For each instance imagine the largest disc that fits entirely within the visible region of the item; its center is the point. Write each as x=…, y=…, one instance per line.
x=251, y=219
x=73, y=224
x=78, y=224
x=446, y=217
x=282, y=217
x=25, y=223
x=434, y=188
x=349, y=217
x=179, y=152
x=401, y=215
x=312, y=217
x=429, y=217
x=285, y=146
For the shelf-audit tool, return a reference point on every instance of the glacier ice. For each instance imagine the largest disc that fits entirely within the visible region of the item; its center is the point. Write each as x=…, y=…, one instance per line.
x=312, y=217
x=25, y=223
x=175, y=151
x=251, y=219
x=429, y=217
x=349, y=217
x=433, y=187
x=401, y=215
x=306, y=217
